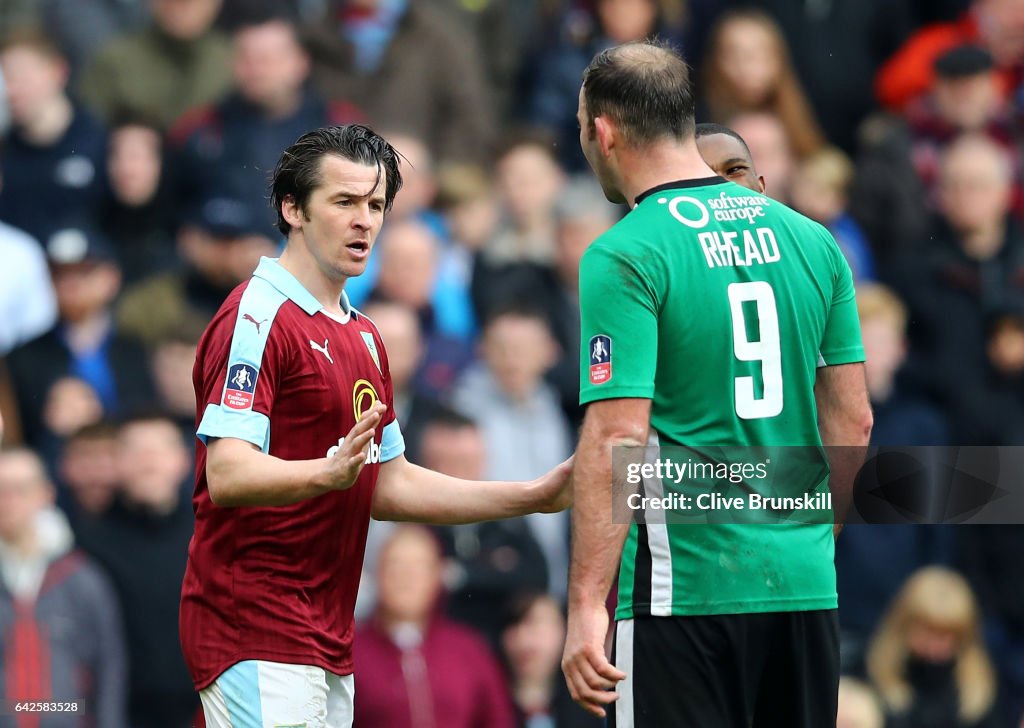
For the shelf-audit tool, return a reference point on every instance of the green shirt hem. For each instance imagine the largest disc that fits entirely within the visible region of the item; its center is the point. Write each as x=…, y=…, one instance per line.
x=679, y=609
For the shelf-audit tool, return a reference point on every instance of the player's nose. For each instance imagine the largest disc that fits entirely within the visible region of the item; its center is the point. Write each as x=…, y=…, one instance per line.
x=362, y=220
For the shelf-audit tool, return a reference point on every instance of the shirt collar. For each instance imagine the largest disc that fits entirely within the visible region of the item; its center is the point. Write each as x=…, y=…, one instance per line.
x=681, y=184
x=273, y=273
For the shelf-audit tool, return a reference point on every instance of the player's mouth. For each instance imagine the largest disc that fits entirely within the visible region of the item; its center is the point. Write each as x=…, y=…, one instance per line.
x=359, y=249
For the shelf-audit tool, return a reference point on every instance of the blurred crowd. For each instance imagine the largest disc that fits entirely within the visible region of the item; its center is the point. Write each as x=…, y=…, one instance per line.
x=136, y=140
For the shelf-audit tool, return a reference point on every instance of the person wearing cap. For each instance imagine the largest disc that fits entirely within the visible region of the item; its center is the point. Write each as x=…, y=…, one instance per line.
x=220, y=241
x=965, y=97
x=83, y=345
x=995, y=25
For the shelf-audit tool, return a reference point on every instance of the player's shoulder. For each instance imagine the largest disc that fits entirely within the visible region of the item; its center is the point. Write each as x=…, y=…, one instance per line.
x=808, y=231
x=250, y=311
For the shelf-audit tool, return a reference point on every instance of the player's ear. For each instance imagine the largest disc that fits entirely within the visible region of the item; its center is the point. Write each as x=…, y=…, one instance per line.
x=606, y=133
x=761, y=184
x=291, y=211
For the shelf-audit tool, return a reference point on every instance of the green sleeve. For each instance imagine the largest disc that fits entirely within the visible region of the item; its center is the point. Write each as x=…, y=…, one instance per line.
x=619, y=313
x=841, y=342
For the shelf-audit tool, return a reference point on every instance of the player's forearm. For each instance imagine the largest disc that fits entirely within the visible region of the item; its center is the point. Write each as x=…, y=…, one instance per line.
x=239, y=475
x=845, y=442
x=407, y=492
x=596, y=540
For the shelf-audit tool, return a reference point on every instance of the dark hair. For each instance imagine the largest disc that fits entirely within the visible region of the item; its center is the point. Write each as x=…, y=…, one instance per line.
x=252, y=13
x=707, y=129
x=516, y=307
x=125, y=117
x=449, y=419
x=92, y=432
x=644, y=87
x=297, y=173
x=34, y=37
x=526, y=137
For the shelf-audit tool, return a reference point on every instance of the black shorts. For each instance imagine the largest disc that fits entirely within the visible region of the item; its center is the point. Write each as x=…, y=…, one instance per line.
x=728, y=671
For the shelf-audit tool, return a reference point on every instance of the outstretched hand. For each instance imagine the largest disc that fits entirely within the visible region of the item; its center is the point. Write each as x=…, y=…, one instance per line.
x=554, y=488
x=344, y=466
x=591, y=678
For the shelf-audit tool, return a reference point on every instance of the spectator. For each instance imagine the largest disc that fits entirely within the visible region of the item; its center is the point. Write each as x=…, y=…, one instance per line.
x=60, y=631
x=231, y=147
x=400, y=329
x=502, y=30
x=996, y=25
x=220, y=243
x=83, y=27
x=488, y=562
x=142, y=542
x=524, y=428
x=820, y=190
x=88, y=472
x=765, y=137
x=138, y=214
x=52, y=158
x=177, y=63
x=858, y=705
x=990, y=556
x=964, y=98
x=529, y=182
x=409, y=260
x=83, y=347
x=28, y=305
x=532, y=643
x=902, y=417
x=172, y=359
x=400, y=63
x=970, y=269
x=837, y=47
x=424, y=667
x=554, y=95
x=748, y=70
x=468, y=201
x=582, y=215
x=928, y=661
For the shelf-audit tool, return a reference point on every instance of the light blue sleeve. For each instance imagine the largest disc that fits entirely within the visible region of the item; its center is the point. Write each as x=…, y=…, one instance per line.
x=259, y=305
x=392, y=443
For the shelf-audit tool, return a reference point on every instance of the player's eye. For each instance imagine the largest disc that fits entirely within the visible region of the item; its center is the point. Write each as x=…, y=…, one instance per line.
x=735, y=170
x=377, y=206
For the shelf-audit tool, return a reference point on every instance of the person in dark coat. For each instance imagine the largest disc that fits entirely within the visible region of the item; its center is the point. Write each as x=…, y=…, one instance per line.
x=83, y=346
x=142, y=542
x=51, y=161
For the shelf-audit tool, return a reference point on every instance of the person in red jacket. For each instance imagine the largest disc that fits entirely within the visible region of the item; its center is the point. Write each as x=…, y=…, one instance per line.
x=418, y=669
x=996, y=25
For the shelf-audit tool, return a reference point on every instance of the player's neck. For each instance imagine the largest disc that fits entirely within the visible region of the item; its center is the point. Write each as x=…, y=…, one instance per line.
x=324, y=289
x=658, y=164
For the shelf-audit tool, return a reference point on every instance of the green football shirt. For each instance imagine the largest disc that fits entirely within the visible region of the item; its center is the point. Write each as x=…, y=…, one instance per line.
x=718, y=304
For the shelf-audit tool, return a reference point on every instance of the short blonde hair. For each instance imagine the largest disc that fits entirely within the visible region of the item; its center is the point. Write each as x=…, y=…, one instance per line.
x=828, y=167
x=875, y=301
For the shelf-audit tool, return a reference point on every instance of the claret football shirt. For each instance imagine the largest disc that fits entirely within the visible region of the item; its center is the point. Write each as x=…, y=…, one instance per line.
x=279, y=583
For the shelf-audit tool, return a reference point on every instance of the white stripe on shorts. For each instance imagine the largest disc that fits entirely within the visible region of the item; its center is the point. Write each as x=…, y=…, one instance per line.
x=624, y=661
